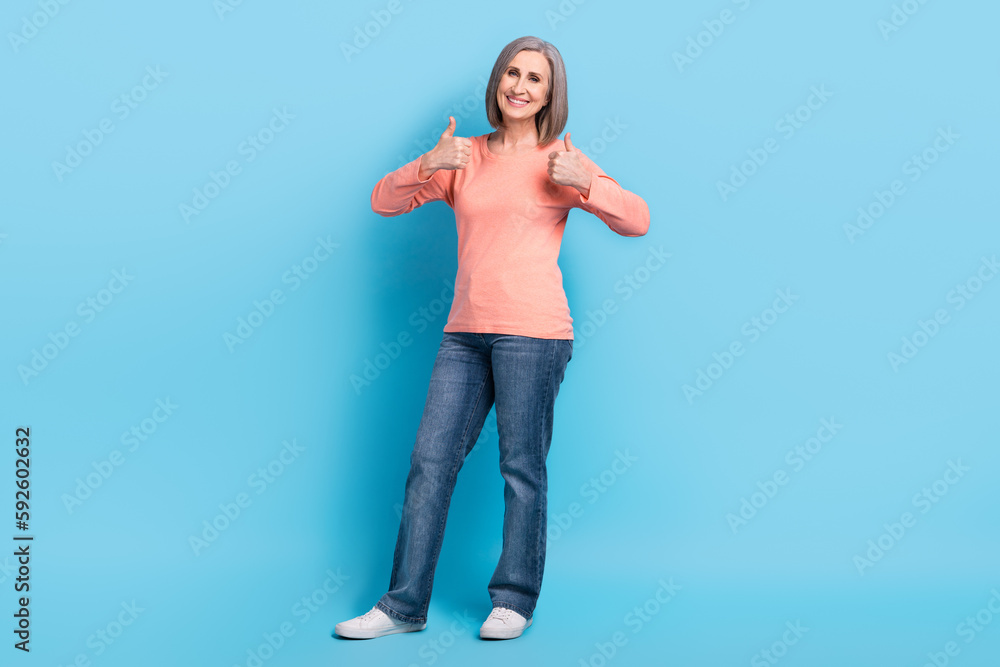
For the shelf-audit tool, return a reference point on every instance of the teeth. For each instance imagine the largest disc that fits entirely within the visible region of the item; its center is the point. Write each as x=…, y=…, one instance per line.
x=516, y=102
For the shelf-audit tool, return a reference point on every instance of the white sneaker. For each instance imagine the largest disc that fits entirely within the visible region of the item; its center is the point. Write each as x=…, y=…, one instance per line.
x=374, y=623
x=503, y=623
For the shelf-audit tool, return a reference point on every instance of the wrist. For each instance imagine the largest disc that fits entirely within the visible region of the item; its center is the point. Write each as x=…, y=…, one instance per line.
x=425, y=168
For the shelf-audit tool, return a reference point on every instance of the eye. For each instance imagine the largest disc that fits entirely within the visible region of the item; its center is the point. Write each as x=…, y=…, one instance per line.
x=535, y=79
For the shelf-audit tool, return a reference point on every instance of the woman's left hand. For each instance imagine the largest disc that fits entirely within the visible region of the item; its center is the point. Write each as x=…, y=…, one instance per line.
x=566, y=168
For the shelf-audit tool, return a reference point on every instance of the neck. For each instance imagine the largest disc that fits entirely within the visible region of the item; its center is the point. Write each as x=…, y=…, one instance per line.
x=519, y=133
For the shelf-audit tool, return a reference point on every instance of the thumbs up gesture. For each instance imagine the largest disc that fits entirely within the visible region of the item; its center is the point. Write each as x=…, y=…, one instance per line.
x=451, y=152
x=567, y=168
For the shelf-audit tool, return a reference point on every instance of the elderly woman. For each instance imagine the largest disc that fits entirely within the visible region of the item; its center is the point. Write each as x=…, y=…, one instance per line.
x=509, y=335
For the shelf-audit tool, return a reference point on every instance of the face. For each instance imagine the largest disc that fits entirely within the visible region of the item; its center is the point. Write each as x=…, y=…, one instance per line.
x=524, y=86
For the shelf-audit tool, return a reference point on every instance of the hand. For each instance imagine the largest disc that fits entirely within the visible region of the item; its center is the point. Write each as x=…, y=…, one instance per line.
x=566, y=168
x=451, y=152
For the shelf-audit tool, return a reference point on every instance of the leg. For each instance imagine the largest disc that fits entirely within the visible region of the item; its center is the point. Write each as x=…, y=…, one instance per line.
x=458, y=399
x=527, y=373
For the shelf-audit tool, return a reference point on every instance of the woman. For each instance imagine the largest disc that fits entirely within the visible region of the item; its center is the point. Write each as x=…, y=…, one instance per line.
x=509, y=334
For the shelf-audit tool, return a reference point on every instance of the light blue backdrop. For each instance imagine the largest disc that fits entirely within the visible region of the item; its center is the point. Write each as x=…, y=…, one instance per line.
x=779, y=445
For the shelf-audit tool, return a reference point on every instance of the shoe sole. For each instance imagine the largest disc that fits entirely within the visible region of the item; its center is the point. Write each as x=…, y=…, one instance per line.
x=350, y=633
x=503, y=634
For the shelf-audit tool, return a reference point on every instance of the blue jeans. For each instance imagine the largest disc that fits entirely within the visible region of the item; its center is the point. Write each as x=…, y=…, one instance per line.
x=471, y=372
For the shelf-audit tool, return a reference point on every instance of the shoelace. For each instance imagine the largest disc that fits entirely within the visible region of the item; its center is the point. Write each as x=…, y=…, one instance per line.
x=369, y=615
x=501, y=613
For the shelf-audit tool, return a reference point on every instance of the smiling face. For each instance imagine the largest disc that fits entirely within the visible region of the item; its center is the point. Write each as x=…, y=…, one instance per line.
x=524, y=86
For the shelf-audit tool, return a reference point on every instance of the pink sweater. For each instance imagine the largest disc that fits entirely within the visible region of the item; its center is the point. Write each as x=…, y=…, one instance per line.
x=510, y=219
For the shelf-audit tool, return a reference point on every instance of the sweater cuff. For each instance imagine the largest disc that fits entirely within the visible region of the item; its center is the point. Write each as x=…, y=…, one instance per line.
x=597, y=190
x=416, y=172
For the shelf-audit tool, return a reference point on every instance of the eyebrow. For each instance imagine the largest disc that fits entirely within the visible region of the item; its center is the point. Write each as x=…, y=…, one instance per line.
x=535, y=73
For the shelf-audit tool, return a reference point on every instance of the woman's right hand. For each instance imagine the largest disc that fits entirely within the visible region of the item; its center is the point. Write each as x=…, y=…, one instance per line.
x=451, y=152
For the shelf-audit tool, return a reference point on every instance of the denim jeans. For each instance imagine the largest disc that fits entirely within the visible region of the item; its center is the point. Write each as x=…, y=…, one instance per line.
x=472, y=371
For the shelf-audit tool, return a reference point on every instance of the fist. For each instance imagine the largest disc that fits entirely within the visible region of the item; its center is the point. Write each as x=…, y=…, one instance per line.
x=567, y=168
x=451, y=152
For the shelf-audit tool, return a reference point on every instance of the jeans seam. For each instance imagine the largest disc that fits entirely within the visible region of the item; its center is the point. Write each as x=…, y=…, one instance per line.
x=543, y=496
x=459, y=456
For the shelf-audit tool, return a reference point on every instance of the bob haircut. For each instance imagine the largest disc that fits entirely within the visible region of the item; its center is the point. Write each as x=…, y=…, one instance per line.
x=551, y=120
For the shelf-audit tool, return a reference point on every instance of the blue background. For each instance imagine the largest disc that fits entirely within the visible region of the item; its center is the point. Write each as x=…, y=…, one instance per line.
x=666, y=129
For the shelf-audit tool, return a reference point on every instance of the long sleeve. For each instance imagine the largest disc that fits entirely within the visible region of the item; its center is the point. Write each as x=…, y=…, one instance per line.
x=401, y=191
x=623, y=211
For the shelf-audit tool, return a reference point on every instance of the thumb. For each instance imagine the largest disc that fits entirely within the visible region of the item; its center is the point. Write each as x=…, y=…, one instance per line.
x=450, y=130
x=569, y=144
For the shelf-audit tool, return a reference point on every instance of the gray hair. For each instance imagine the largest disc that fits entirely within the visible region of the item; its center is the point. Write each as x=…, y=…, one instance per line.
x=551, y=120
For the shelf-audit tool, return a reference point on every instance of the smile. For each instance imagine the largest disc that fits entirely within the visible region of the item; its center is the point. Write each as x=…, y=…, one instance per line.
x=516, y=102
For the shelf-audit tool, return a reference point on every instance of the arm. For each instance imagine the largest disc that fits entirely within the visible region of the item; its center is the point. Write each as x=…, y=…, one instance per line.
x=428, y=178
x=403, y=190
x=624, y=212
